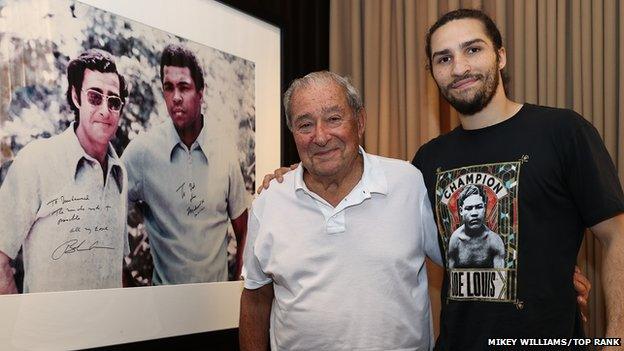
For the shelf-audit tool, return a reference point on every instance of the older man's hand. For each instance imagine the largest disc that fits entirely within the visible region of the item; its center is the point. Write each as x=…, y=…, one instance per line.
x=278, y=175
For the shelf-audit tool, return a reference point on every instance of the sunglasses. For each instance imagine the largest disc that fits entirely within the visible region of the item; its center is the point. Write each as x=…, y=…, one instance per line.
x=95, y=98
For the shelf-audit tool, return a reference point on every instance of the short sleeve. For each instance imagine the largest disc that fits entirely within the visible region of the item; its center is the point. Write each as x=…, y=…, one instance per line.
x=418, y=158
x=237, y=193
x=19, y=203
x=132, y=161
x=429, y=228
x=592, y=177
x=253, y=274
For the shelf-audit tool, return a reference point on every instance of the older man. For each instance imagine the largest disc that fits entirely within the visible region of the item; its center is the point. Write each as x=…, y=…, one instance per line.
x=335, y=254
x=64, y=198
x=190, y=181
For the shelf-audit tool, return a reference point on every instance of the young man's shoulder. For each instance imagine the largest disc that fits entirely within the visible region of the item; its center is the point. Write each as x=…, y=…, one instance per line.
x=545, y=118
x=431, y=149
x=549, y=114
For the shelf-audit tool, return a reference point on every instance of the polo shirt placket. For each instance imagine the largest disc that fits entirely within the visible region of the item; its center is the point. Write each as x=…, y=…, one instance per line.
x=335, y=222
x=192, y=193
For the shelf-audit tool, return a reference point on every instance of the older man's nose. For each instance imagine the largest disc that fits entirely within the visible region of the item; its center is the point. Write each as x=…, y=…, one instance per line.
x=321, y=134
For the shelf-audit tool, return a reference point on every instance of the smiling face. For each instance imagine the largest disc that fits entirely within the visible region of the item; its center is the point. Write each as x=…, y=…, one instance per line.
x=326, y=129
x=182, y=97
x=98, y=123
x=465, y=65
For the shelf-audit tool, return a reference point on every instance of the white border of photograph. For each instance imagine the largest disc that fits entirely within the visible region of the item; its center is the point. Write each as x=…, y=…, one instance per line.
x=83, y=319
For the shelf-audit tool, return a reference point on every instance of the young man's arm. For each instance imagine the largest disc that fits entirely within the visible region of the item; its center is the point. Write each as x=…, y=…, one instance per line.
x=239, y=224
x=255, y=315
x=610, y=232
x=7, y=281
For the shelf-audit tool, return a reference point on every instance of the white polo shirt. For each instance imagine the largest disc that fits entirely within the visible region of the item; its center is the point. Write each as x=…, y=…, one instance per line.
x=350, y=277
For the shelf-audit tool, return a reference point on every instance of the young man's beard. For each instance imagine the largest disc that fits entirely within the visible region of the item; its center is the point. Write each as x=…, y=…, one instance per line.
x=481, y=98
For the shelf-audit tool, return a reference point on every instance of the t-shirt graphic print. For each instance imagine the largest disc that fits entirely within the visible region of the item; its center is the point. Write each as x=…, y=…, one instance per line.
x=477, y=216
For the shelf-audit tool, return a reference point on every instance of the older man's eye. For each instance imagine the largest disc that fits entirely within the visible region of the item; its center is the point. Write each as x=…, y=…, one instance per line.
x=335, y=119
x=304, y=126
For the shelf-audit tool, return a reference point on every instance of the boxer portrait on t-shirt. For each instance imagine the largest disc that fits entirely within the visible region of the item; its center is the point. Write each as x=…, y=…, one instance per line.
x=473, y=244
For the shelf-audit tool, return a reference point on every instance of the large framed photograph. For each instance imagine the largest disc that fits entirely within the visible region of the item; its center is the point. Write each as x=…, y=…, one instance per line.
x=131, y=135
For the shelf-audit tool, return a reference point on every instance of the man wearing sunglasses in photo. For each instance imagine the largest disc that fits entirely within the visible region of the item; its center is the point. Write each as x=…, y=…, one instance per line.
x=189, y=180
x=64, y=199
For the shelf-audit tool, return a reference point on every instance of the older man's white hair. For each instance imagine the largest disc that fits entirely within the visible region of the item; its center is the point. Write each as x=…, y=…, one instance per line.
x=353, y=96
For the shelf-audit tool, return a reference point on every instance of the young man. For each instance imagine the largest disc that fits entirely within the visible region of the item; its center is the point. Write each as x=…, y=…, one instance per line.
x=64, y=199
x=190, y=181
x=550, y=177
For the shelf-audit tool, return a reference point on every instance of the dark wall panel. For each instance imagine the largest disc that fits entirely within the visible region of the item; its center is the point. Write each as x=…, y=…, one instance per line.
x=304, y=29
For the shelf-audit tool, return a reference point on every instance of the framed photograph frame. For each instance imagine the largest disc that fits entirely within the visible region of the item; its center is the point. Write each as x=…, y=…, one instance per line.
x=92, y=318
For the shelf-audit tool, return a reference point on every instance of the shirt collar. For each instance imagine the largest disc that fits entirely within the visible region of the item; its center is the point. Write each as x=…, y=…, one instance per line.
x=173, y=139
x=77, y=156
x=373, y=178
x=114, y=167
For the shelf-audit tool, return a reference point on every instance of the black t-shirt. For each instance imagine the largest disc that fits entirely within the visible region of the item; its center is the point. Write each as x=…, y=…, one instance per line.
x=511, y=202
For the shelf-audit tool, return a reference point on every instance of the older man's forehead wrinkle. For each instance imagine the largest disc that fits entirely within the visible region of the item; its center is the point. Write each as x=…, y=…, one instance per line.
x=330, y=109
x=303, y=116
x=324, y=111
